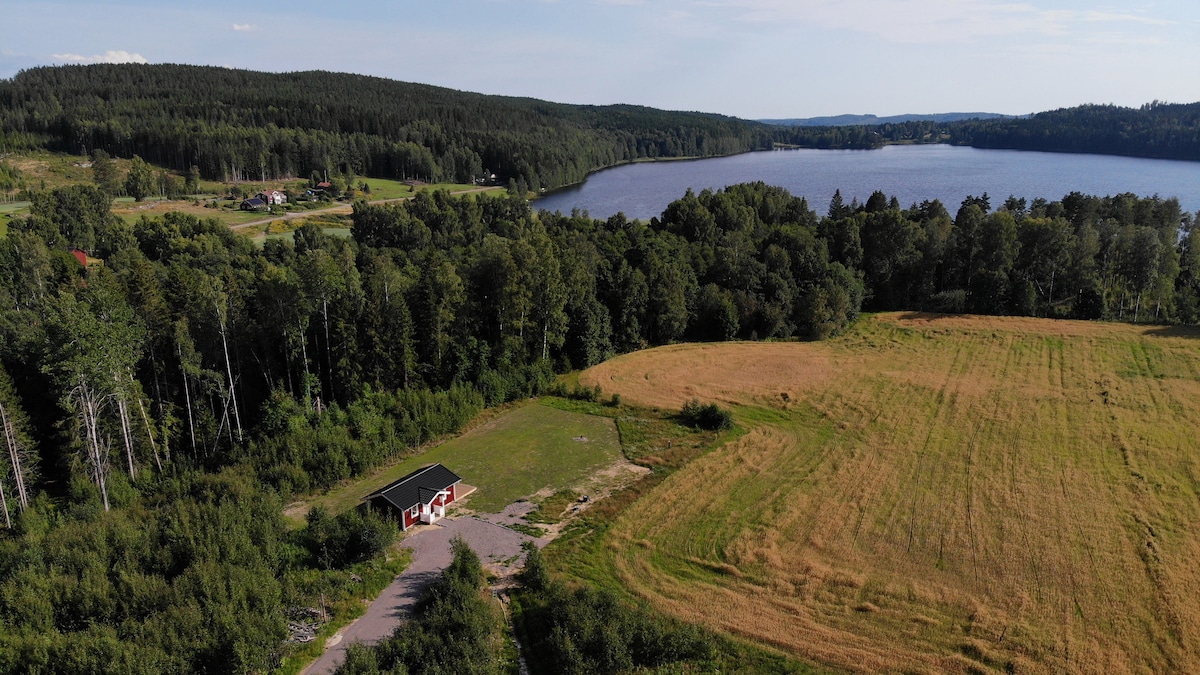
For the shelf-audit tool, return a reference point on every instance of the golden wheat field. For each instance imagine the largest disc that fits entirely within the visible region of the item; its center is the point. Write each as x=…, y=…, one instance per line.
x=934, y=494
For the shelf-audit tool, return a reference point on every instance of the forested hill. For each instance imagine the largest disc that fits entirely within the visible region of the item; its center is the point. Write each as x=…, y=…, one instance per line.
x=243, y=124
x=1158, y=130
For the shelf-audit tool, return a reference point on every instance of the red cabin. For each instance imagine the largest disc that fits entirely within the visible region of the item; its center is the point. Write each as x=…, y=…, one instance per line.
x=419, y=497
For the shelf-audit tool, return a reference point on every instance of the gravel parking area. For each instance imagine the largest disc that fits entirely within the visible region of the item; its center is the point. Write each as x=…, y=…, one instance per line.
x=498, y=548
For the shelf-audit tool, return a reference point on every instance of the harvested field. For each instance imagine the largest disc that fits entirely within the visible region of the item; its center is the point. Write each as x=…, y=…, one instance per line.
x=934, y=494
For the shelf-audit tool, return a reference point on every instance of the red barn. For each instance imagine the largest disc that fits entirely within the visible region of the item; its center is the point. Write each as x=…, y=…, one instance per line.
x=419, y=497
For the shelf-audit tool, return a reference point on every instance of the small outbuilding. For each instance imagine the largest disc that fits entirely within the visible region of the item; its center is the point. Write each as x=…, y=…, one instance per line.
x=419, y=497
x=254, y=204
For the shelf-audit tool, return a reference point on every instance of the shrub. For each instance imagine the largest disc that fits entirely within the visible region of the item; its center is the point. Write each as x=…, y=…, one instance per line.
x=711, y=416
x=353, y=536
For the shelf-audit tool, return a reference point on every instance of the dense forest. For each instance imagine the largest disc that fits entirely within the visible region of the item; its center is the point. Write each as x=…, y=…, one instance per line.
x=1158, y=130
x=159, y=407
x=244, y=125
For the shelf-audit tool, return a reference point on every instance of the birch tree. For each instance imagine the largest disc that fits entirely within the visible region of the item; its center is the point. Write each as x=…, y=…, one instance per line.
x=18, y=456
x=94, y=344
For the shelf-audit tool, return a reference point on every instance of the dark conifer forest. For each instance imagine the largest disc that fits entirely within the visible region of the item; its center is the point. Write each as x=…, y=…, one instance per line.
x=244, y=125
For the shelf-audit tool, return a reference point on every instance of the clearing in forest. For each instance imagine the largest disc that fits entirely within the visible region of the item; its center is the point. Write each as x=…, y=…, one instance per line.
x=934, y=494
x=530, y=449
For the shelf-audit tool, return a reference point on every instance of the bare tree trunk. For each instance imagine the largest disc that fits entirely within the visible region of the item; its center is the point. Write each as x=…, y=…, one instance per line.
x=149, y=431
x=328, y=350
x=123, y=413
x=304, y=356
x=229, y=372
x=187, y=395
x=4, y=504
x=14, y=455
x=89, y=409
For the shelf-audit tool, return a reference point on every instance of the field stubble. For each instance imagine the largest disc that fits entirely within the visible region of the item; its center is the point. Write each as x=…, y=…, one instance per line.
x=934, y=494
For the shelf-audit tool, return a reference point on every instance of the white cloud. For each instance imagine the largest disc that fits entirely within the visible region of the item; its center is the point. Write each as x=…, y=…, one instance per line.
x=928, y=21
x=110, y=56
x=244, y=27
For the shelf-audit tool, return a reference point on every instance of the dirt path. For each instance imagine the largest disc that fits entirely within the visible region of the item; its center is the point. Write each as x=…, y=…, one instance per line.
x=341, y=208
x=498, y=548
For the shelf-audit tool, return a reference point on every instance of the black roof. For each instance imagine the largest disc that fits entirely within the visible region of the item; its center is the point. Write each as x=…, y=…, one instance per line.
x=418, y=487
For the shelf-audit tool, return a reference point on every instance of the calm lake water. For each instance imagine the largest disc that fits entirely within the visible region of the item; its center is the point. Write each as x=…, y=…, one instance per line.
x=912, y=173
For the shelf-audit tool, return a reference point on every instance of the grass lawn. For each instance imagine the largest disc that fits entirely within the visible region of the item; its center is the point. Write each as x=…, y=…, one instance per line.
x=383, y=188
x=931, y=494
x=514, y=455
x=7, y=211
x=132, y=211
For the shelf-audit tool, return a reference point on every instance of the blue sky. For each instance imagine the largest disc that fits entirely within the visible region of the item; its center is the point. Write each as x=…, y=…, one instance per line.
x=749, y=58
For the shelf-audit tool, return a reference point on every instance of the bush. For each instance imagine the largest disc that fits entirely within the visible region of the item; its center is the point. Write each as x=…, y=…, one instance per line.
x=340, y=541
x=711, y=416
x=593, y=631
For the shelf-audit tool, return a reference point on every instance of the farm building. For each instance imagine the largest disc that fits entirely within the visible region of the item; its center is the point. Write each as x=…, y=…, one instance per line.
x=419, y=497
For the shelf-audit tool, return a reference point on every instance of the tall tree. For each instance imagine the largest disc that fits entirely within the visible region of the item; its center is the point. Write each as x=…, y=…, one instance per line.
x=105, y=173
x=439, y=295
x=140, y=182
x=94, y=345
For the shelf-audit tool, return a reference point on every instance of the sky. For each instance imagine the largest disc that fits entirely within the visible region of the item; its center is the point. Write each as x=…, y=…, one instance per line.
x=748, y=58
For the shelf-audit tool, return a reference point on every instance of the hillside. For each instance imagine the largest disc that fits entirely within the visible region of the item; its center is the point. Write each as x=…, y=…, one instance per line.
x=1155, y=130
x=1158, y=130
x=237, y=124
x=932, y=494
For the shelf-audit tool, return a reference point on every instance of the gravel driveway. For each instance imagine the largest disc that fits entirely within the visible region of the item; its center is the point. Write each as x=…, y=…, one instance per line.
x=498, y=548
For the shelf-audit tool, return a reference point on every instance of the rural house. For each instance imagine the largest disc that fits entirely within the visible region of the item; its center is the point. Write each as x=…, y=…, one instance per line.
x=419, y=497
x=274, y=197
x=254, y=204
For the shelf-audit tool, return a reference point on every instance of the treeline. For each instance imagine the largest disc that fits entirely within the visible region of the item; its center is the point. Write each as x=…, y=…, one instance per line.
x=1157, y=130
x=245, y=125
x=1122, y=258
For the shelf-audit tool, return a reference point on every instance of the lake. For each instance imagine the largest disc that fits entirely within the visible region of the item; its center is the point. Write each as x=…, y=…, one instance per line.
x=912, y=173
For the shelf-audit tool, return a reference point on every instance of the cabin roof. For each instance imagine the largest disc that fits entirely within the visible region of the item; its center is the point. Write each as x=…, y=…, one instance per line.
x=418, y=487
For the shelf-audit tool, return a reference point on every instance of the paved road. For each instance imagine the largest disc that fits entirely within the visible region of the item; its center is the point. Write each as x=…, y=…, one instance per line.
x=495, y=545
